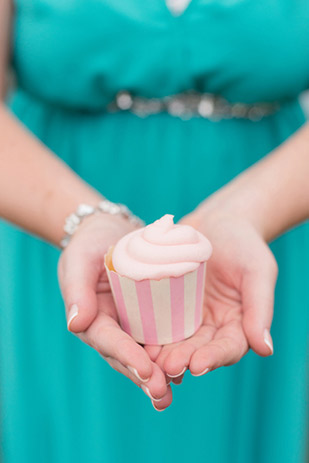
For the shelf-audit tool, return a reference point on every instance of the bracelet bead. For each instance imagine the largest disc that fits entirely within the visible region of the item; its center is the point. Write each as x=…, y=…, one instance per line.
x=84, y=210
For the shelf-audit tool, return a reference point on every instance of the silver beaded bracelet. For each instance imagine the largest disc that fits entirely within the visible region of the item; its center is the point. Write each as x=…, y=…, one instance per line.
x=84, y=210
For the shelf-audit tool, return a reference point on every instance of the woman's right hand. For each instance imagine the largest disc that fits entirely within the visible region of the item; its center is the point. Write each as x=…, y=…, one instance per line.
x=90, y=309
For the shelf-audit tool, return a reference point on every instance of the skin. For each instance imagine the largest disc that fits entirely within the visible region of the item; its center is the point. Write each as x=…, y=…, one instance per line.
x=239, y=220
x=267, y=199
x=50, y=191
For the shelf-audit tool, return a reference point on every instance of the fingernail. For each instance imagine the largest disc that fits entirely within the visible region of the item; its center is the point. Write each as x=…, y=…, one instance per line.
x=158, y=410
x=178, y=374
x=202, y=373
x=73, y=312
x=268, y=340
x=135, y=372
x=147, y=392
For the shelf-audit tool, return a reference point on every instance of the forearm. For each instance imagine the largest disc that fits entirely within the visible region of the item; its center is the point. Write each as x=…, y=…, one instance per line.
x=37, y=190
x=274, y=193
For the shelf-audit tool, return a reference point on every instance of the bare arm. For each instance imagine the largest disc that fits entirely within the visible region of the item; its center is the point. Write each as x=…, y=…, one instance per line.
x=273, y=194
x=258, y=205
x=37, y=190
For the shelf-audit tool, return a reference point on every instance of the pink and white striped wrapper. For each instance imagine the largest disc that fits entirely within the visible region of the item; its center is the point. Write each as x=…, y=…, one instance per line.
x=159, y=311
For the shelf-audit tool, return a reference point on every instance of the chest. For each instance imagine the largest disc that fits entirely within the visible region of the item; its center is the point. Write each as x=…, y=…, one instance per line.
x=230, y=47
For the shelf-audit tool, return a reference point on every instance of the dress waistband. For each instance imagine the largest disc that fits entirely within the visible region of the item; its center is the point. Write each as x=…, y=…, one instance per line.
x=185, y=105
x=191, y=104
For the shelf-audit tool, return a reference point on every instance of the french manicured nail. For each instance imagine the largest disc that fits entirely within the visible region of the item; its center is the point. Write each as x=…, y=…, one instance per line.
x=147, y=392
x=268, y=340
x=178, y=374
x=135, y=372
x=202, y=373
x=158, y=410
x=73, y=312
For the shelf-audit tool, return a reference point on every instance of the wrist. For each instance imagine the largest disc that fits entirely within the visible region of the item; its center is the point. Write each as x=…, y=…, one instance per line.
x=56, y=214
x=97, y=233
x=273, y=194
x=235, y=202
x=105, y=208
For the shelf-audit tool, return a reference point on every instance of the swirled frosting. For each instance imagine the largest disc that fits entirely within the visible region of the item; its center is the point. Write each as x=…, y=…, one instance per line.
x=160, y=250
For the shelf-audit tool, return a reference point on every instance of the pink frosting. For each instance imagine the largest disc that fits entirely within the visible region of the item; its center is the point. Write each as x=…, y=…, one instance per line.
x=160, y=250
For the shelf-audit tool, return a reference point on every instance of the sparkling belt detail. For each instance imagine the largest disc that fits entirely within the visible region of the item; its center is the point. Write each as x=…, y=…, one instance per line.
x=191, y=104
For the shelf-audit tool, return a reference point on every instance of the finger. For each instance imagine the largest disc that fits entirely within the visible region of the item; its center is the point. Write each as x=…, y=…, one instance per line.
x=258, y=306
x=117, y=366
x=175, y=358
x=161, y=405
x=78, y=277
x=165, y=352
x=178, y=380
x=106, y=336
x=176, y=361
x=153, y=351
x=227, y=348
x=158, y=395
x=156, y=387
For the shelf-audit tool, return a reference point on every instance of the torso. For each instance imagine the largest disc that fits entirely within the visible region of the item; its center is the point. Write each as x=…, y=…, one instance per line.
x=225, y=47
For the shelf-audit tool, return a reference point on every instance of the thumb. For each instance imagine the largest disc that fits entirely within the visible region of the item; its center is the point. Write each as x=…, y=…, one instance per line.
x=78, y=278
x=258, y=306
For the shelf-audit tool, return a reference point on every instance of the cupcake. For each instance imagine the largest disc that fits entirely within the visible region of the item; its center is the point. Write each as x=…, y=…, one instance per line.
x=157, y=277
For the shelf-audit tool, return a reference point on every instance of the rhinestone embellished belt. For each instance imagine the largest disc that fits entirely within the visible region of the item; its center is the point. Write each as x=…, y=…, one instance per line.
x=191, y=104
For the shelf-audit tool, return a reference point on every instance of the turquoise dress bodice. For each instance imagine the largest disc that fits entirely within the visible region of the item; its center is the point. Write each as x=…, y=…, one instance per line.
x=79, y=53
x=60, y=401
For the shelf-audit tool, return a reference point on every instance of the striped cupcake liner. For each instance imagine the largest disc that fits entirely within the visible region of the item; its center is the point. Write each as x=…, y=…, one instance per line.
x=159, y=311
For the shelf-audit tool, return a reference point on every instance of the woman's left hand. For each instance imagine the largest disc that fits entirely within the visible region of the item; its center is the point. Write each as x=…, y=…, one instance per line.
x=239, y=296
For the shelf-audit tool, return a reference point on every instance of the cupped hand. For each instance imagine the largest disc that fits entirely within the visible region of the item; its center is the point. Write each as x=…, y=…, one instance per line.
x=239, y=297
x=91, y=312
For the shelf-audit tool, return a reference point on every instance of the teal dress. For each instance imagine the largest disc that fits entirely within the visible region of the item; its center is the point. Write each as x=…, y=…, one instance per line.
x=60, y=401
